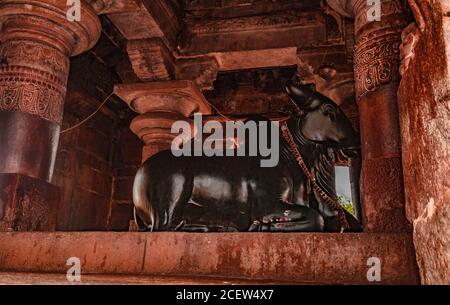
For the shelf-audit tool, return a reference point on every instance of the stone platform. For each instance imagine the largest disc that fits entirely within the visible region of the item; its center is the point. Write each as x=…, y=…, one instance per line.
x=276, y=258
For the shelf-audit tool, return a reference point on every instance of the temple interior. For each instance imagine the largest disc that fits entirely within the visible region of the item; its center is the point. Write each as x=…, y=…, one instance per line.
x=83, y=103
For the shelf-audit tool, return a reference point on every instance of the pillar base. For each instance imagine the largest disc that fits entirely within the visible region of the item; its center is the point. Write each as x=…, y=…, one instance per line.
x=27, y=204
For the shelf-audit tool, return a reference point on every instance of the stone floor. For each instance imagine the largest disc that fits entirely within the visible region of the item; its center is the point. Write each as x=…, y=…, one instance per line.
x=27, y=278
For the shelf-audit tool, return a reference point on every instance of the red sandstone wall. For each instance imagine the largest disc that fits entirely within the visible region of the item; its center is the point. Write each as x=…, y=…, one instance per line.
x=424, y=102
x=84, y=173
x=127, y=159
x=95, y=168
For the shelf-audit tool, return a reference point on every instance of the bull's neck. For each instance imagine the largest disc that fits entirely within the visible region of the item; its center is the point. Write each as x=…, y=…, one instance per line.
x=307, y=148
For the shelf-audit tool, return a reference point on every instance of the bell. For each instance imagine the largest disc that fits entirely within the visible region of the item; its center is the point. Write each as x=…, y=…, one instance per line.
x=327, y=72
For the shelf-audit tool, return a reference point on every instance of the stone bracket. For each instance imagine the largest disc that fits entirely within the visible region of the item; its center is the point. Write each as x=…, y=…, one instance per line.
x=152, y=60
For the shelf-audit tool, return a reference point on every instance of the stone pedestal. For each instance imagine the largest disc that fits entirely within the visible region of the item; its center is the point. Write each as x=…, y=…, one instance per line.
x=37, y=40
x=376, y=63
x=160, y=104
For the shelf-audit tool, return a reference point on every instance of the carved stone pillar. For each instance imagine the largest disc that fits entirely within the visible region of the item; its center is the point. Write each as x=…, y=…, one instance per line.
x=37, y=40
x=376, y=62
x=159, y=105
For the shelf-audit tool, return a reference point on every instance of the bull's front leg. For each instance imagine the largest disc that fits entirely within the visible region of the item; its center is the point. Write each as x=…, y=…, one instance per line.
x=289, y=218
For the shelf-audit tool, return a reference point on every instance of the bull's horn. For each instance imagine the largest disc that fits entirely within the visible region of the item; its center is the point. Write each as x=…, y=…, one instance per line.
x=299, y=93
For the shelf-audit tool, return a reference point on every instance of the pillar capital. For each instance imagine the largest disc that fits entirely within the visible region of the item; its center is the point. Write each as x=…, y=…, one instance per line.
x=377, y=51
x=37, y=40
x=46, y=21
x=159, y=105
x=392, y=14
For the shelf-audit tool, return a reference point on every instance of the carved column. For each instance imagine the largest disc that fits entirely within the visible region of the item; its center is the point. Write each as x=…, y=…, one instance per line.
x=160, y=104
x=37, y=40
x=376, y=65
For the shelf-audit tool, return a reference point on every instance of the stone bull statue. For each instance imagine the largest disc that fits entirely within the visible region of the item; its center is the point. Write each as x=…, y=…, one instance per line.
x=225, y=194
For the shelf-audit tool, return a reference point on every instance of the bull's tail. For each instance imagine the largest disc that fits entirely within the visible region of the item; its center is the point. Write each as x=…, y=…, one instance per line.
x=145, y=215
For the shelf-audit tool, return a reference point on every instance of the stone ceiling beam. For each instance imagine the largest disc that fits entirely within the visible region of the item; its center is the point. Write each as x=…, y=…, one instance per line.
x=228, y=9
x=208, y=46
x=277, y=30
x=153, y=19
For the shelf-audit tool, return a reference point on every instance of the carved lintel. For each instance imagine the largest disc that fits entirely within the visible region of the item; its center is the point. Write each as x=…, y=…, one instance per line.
x=251, y=33
x=252, y=23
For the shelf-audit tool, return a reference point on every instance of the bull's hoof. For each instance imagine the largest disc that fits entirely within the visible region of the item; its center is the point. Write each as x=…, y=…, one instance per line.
x=142, y=226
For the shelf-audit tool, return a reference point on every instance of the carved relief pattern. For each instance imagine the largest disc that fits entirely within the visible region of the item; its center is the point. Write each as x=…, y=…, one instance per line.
x=376, y=62
x=28, y=94
x=34, y=55
x=33, y=210
x=254, y=23
x=151, y=60
x=33, y=79
x=28, y=204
